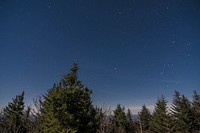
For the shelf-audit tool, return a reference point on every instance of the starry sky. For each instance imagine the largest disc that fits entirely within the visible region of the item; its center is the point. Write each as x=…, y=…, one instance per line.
x=129, y=52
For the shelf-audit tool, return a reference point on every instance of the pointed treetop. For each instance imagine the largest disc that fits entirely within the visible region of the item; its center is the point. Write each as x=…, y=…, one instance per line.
x=74, y=68
x=71, y=79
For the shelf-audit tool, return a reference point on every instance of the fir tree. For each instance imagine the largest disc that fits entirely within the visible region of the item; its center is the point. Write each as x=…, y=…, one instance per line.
x=13, y=116
x=196, y=110
x=100, y=120
x=182, y=115
x=159, y=122
x=119, y=119
x=53, y=114
x=28, y=121
x=130, y=128
x=2, y=121
x=67, y=107
x=104, y=120
x=145, y=117
x=38, y=113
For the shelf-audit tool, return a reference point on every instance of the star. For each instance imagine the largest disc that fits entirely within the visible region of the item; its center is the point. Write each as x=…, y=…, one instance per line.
x=173, y=42
x=161, y=73
x=188, y=44
x=119, y=13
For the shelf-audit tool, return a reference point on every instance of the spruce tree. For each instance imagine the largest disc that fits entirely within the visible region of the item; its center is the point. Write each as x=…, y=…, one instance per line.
x=2, y=121
x=28, y=120
x=52, y=111
x=119, y=119
x=100, y=120
x=159, y=122
x=67, y=107
x=182, y=115
x=130, y=128
x=196, y=110
x=37, y=115
x=13, y=116
x=104, y=120
x=145, y=117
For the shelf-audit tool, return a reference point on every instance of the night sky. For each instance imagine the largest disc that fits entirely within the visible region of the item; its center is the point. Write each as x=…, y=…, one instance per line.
x=128, y=51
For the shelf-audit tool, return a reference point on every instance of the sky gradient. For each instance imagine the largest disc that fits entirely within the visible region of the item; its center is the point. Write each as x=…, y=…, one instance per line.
x=128, y=52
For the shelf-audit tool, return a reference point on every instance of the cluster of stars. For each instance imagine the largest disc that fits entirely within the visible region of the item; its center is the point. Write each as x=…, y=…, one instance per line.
x=166, y=66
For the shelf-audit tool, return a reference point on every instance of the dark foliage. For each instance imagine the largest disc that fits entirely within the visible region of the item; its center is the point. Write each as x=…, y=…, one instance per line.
x=67, y=108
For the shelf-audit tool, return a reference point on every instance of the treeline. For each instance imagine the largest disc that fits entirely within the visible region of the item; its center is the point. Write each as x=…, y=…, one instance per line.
x=67, y=108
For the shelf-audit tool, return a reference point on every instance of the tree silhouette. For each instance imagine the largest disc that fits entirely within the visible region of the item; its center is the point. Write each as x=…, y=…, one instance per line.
x=67, y=107
x=160, y=119
x=14, y=116
x=145, y=117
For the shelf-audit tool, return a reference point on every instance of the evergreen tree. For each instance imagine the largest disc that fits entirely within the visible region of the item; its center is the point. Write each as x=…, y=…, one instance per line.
x=13, y=116
x=53, y=116
x=182, y=115
x=119, y=119
x=104, y=120
x=2, y=121
x=130, y=128
x=28, y=121
x=38, y=116
x=196, y=110
x=159, y=122
x=145, y=117
x=100, y=120
x=67, y=107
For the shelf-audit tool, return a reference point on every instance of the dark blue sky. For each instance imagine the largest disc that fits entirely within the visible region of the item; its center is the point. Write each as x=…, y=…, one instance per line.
x=129, y=52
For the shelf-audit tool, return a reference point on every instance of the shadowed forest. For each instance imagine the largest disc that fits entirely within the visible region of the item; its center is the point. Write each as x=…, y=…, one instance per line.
x=67, y=108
